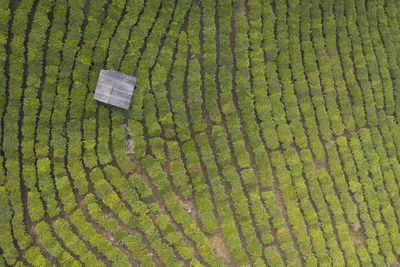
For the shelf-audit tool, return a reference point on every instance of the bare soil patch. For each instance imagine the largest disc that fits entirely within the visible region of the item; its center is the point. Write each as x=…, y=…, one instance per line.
x=218, y=242
x=241, y=10
x=357, y=235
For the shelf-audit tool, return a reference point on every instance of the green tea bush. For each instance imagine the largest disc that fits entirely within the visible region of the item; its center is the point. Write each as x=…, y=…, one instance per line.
x=259, y=133
x=35, y=205
x=72, y=242
x=10, y=252
x=89, y=234
x=35, y=257
x=51, y=244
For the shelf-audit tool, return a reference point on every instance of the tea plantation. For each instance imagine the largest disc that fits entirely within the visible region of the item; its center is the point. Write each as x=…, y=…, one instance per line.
x=260, y=133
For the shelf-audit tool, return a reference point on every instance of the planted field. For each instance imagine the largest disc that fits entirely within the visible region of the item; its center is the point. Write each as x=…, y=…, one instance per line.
x=260, y=133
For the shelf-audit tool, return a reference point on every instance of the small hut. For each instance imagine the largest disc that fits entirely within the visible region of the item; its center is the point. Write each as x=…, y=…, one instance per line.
x=115, y=88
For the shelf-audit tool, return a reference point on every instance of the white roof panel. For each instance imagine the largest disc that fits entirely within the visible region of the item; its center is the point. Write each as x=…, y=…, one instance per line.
x=115, y=88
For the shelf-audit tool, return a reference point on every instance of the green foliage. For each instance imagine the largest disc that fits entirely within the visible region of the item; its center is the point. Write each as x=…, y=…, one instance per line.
x=10, y=253
x=270, y=127
x=178, y=171
x=133, y=243
x=35, y=206
x=34, y=257
x=65, y=193
x=72, y=242
x=202, y=194
x=157, y=147
x=51, y=244
x=89, y=234
x=46, y=186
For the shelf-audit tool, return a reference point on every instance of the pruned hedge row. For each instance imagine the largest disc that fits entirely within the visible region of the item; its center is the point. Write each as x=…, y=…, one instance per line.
x=34, y=257
x=159, y=178
x=269, y=126
x=360, y=67
x=238, y=197
x=300, y=74
x=288, y=96
x=133, y=242
x=89, y=234
x=51, y=244
x=290, y=199
x=78, y=92
x=202, y=192
x=162, y=68
x=374, y=195
x=245, y=103
x=345, y=47
x=271, y=51
x=330, y=30
x=388, y=51
x=147, y=60
x=259, y=84
x=177, y=170
x=222, y=203
x=178, y=106
x=310, y=214
x=317, y=196
x=209, y=56
x=284, y=236
x=11, y=115
x=325, y=70
x=129, y=64
x=117, y=194
x=74, y=244
x=10, y=252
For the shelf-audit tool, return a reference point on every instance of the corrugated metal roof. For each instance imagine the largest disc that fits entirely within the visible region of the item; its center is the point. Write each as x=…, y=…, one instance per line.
x=115, y=88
